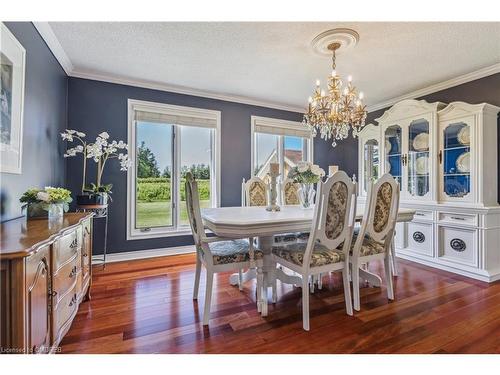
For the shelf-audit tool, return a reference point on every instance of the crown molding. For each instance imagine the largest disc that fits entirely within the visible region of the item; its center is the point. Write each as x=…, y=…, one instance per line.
x=53, y=43
x=55, y=47
x=483, y=72
x=185, y=90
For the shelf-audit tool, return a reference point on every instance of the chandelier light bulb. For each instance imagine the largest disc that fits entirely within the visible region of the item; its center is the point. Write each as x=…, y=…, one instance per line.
x=317, y=82
x=349, y=78
x=334, y=73
x=361, y=95
x=322, y=93
x=346, y=90
x=310, y=99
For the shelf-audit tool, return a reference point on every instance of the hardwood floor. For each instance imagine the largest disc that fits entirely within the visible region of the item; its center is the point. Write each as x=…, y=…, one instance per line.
x=146, y=306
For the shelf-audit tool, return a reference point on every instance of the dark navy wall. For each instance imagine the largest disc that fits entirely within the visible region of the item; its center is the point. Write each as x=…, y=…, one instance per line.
x=45, y=114
x=97, y=106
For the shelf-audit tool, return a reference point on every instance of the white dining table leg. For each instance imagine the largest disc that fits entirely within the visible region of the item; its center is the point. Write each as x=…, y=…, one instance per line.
x=250, y=274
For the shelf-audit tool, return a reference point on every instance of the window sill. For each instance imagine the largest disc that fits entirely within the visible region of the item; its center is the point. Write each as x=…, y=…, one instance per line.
x=153, y=234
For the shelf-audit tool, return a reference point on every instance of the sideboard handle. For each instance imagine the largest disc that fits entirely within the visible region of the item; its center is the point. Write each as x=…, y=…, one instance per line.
x=73, y=272
x=458, y=218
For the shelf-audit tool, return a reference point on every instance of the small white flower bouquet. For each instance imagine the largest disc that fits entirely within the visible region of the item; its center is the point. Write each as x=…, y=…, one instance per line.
x=100, y=152
x=306, y=173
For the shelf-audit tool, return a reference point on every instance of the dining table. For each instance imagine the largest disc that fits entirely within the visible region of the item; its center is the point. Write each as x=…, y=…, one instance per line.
x=258, y=223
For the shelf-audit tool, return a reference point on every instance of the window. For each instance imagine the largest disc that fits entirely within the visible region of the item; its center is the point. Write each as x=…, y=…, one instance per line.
x=278, y=141
x=166, y=142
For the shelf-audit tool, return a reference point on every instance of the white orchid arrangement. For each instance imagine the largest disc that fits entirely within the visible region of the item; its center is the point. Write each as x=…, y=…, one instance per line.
x=306, y=173
x=100, y=152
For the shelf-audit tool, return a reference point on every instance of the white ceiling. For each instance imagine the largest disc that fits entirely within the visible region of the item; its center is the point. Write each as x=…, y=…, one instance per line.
x=273, y=62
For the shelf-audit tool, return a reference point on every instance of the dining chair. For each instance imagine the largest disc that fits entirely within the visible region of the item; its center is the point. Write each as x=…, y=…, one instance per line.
x=327, y=249
x=254, y=192
x=374, y=239
x=289, y=192
x=217, y=254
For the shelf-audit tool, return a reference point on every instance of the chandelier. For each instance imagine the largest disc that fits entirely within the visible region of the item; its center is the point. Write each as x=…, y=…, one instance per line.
x=334, y=111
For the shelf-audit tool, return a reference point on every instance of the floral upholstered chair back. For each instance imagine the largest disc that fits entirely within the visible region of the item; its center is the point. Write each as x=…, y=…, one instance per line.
x=334, y=216
x=254, y=192
x=381, y=210
x=290, y=192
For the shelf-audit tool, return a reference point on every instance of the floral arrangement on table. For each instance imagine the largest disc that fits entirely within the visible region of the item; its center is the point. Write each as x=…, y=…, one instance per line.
x=100, y=151
x=306, y=174
x=50, y=201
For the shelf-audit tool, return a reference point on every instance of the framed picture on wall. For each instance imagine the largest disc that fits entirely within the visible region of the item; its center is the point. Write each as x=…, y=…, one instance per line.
x=12, y=72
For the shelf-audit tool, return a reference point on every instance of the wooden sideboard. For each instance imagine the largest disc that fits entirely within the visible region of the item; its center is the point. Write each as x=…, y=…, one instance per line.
x=45, y=273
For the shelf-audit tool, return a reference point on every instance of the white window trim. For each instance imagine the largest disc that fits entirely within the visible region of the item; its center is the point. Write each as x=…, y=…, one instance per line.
x=294, y=125
x=134, y=105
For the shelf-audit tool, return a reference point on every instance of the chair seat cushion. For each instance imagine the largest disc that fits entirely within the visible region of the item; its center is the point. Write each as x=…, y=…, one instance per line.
x=294, y=253
x=369, y=246
x=235, y=251
x=291, y=237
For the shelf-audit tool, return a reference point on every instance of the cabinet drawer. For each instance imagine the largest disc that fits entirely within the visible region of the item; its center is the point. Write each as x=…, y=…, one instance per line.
x=458, y=245
x=65, y=278
x=460, y=219
x=420, y=238
x=64, y=311
x=65, y=248
x=423, y=216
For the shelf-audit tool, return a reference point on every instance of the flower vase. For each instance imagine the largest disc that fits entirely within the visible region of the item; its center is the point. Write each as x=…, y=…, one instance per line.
x=56, y=211
x=306, y=195
x=34, y=210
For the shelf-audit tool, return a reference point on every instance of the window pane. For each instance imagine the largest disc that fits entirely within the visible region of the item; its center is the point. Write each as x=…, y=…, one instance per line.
x=154, y=169
x=295, y=150
x=266, y=152
x=196, y=157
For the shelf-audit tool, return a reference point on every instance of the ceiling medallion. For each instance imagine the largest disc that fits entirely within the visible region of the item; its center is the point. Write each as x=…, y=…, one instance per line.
x=333, y=112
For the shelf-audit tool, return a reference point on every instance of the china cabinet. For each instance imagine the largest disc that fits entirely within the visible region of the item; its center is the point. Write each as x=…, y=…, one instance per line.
x=368, y=156
x=445, y=158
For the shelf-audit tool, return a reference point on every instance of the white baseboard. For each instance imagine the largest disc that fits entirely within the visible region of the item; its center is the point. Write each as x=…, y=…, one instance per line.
x=144, y=254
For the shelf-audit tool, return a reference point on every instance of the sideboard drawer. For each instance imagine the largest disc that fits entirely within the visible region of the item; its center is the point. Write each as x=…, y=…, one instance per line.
x=65, y=278
x=458, y=245
x=460, y=219
x=65, y=248
x=420, y=238
x=64, y=311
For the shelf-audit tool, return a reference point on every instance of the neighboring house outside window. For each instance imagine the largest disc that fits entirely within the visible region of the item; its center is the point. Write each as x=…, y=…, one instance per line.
x=278, y=141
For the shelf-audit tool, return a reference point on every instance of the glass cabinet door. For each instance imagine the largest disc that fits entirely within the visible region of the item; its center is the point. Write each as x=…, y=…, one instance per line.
x=370, y=163
x=417, y=159
x=394, y=153
x=455, y=159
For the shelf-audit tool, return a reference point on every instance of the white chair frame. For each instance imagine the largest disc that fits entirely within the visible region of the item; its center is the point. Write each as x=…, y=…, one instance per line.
x=304, y=271
x=385, y=236
x=204, y=255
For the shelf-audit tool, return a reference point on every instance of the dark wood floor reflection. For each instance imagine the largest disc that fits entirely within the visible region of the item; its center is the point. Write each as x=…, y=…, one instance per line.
x=146, y=306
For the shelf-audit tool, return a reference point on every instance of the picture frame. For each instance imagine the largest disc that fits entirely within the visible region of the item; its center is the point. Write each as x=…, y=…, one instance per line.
x=12, y=76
